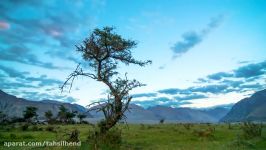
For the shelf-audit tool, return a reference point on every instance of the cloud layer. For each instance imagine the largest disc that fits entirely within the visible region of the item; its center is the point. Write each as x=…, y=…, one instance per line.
x=250, y=77
x=42, y=35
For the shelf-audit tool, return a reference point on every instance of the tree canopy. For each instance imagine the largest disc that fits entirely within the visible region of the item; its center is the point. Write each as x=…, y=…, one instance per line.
x=103, y=50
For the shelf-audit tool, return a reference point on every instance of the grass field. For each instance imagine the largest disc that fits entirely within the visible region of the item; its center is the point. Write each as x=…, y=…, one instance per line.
x=140, y=136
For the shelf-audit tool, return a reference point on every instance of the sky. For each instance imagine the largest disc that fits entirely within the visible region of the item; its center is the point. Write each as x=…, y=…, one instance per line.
x=205, y=53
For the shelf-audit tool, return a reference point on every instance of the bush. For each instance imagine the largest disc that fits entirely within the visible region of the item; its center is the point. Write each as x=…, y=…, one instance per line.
x=142, y=126
x=50, y=128
x=150, y=127
x=8, y=128
x=27, y=136
x=110, y=140
x=13, y=136
x=73, y=136
x=251, y=130
x=35, y=128
x=187, y=126
x=24, y=127
x=240, y=143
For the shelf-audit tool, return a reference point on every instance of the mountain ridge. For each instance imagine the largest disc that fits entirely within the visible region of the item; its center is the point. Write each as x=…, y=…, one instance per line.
x=248, y=109
x=13, y=107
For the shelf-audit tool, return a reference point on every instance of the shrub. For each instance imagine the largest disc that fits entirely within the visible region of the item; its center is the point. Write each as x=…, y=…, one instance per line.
x=27, y=136
x=8, y=128
x=1, y=136
x=240, y=143
x=142, y=126
x=187, y=126
x=150, y=127
x=13, y=136
x=110, y=140
x=73, y=136
x=50, y=128
x=251, y=130
x=24, y=127
x=35, y=128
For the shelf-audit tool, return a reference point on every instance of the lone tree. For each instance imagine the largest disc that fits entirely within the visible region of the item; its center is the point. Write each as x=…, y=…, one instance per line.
x=30, y=113
x=103, y=50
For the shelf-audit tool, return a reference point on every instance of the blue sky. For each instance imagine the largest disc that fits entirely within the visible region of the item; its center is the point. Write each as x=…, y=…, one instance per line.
x=205, y=53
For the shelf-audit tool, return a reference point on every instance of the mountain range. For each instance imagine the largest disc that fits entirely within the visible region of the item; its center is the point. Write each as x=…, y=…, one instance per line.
x=252, y=108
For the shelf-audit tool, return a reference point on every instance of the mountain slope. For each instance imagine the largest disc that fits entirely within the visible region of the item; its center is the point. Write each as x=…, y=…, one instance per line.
x=14, y=107
x=248, y=109
x=136, y=114
x=182, y=114
x=217, y=113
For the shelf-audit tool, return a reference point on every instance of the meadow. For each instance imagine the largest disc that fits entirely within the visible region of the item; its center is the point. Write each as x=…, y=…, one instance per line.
x=140, y=136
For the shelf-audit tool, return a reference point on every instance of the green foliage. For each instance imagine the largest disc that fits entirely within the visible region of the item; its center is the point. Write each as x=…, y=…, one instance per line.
x=187, y=126
x=65, y=116
x=50, y=128
x=30, y=113
x=240, y=143
x=70, y=116
x=103, y=51
x=35, y=128
x=142, y=126
x=110, y=140
x=26, y=136
x=49, y=116
x=251, y=130
x=62, y=113
x=25, y=127
x=74, y=136
x=13, y=136
x=81, y=117
x=152, y=137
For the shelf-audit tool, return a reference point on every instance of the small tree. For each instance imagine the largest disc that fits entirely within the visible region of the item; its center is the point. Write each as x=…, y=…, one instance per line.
x=48, y=116
x=103, y=51
x=62, y=114
x=30, y=113
x=162, y=121
x=70, y=116
x=81, y=117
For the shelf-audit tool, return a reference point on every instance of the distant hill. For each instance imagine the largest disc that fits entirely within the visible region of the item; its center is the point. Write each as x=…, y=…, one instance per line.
x=14, y=107
x=138, y=114
x=188, y=114
x=135, y=114
x=248, y=109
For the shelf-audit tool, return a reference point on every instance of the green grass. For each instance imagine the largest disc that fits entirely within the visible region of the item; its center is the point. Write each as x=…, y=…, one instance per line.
x=137, y=136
